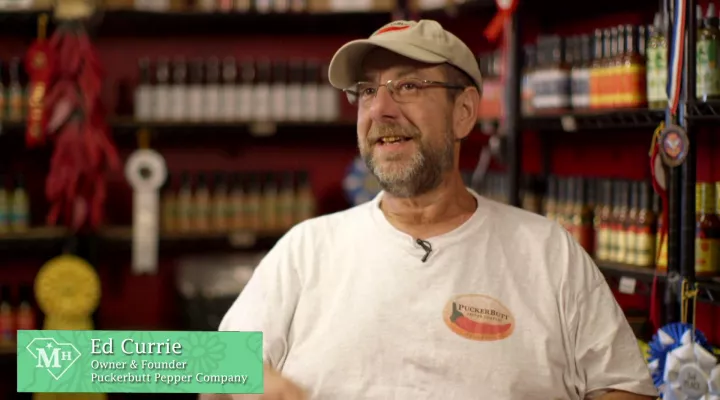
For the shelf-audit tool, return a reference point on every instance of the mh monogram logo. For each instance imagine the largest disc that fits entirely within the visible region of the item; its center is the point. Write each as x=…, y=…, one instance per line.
x=54, y=357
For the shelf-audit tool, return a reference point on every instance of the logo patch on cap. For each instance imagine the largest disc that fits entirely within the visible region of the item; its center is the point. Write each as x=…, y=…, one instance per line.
x=393, y=26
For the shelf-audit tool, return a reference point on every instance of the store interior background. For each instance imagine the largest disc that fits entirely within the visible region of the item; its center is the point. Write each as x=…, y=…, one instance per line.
x=324, y=149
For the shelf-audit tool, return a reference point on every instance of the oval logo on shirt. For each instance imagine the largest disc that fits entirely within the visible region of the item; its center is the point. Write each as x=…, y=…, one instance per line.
x=478, y=317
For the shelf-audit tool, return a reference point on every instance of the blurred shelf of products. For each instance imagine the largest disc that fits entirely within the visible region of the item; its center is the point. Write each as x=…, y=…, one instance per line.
x=13, y=90
x=258, y=6
x=215, y=90
x=618, y=221
x=17, y=312
x=614, y=68
x=270, y=202
x=14, y=206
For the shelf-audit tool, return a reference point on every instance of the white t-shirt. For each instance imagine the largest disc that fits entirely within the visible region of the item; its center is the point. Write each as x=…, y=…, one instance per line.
x=506, y=306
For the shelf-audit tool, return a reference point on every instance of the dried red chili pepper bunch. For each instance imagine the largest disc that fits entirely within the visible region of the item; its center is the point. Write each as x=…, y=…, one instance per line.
x=84, y=151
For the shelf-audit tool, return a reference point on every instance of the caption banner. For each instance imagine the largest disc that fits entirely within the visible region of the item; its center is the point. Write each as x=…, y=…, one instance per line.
x=139, y=362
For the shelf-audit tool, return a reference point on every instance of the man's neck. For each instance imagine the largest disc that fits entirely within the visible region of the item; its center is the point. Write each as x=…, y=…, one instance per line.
x=434, y=213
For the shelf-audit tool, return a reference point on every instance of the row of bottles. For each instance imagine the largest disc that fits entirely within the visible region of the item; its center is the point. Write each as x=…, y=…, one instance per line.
x=227, y=90
x=707, y=229
x=273, y=201
x=243, y=6
x=13, y=93
x=493, y=90
x=16, y=313
x=14, y=205
x=615, y=67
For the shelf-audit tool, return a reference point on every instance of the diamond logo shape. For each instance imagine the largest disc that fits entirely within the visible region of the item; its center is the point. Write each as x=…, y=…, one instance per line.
x=56, y=358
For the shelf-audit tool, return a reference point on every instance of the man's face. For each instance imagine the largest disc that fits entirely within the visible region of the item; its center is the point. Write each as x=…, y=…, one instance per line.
x=408, y=146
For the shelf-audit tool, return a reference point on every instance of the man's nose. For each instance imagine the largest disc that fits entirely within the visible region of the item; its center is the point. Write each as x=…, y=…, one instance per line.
x=383, y=107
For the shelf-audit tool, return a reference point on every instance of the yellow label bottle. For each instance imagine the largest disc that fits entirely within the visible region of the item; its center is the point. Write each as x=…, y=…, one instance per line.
x=707, y=227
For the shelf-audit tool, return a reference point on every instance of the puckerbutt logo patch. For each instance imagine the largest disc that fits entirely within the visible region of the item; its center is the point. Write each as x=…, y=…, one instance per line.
x=478, y=317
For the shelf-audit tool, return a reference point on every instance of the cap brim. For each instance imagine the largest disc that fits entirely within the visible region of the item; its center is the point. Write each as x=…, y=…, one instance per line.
x=345, y=65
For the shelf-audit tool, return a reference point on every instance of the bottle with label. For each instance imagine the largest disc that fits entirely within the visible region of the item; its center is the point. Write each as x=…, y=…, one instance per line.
x=229, y=81
x=645, y=249
x=708, y=61
x=631, y=225
x=569, y=212
x=161, y=103
x=201, y=205
x=244, y=96
x=254, y=211
x=7, y=317
x=19, y=206
x=657, y=52
x=603, y=222
x=286, y=201
x=311, y=91
x=526, y=84
x=561, y=204
x=185, y=217
x=615, y=227
x=169, y=205
x=295, y=90
x=306, y=203
x=237, y=206
x=261, y=91
x=270, y=203
x=211, y=91
x=16, y=94
x=179, y=90
x=329, y=97
x=661, y=261
x=278, y=91
x=196, y=90
x=633, y=85
x=26, y=317
x=613, y=63
x=621, y=244
x=143, y=101
x=596, y=69
x=583, y=214
x=707, y=230
x=581, y=73
x=550, y=207
x=5, y=213
x=243, y=5
x=220, y=222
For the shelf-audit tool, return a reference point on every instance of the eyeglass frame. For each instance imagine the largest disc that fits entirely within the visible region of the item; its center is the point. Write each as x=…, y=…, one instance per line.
x=389, y=85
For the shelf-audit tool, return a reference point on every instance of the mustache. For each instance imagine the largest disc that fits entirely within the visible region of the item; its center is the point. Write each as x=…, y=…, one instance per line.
x=379, y=131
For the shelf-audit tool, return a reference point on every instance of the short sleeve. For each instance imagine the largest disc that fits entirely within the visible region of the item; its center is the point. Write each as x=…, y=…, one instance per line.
x=268, y=301
x=607, y=354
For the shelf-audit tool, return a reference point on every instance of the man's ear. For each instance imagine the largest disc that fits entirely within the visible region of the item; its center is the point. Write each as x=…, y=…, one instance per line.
x=466, y=112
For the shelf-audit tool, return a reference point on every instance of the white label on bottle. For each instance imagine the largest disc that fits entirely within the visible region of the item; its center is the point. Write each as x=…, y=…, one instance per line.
x=244, y=102
x=278, y=102
x=329, y=106
x=162, y=104
x=195, y=102
x=211, y=102
x=178, y=100
x=261, y=102
x=351, y=5
x=627, y=285
x=263, y=6
x=294, y=102
x=143, y=102
x=227, y=103
x=310, y=102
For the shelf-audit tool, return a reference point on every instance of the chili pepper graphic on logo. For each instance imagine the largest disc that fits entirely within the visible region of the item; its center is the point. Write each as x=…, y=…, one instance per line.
x=498, y=321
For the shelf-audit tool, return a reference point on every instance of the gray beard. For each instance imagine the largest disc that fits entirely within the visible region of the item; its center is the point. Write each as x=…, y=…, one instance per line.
x=420, y=174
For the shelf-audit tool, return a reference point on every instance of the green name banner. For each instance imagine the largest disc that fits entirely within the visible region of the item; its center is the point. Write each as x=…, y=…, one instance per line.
x=139, y=362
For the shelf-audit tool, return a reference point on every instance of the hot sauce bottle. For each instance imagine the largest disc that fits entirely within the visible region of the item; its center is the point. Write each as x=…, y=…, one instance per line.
x=634, y=90
x=657, y=52
x=707, y=230
x=26, y=318
x=620, y=224
x=583, y=214
x=615, y=78
x=615, y=227
x=603, y=219
x=631, y=225
x=561, y=203
x=645, y=229
x=661, y=261
x=597, y=71
x=550, y=208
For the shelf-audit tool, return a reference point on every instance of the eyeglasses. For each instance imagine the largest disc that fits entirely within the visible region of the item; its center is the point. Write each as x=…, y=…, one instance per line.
x=401, y=90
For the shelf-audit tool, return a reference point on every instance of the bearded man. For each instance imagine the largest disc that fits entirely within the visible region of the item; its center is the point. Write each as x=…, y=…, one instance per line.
x=431, y=291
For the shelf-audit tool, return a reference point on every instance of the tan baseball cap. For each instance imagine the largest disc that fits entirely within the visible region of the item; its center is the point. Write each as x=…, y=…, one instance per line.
x=425, y=41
